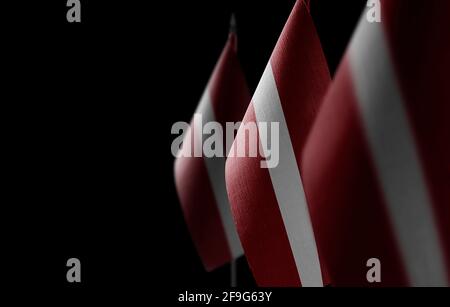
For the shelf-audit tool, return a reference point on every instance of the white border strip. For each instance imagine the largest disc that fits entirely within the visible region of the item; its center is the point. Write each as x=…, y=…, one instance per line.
x=288, y=185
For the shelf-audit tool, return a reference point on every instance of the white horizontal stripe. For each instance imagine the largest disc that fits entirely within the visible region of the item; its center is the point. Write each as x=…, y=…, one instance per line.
x=395, y=156
x=216, y=173
x=288, y=185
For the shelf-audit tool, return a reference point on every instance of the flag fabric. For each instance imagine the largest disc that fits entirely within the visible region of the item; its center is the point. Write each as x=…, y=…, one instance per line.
x=376, y=166
x=269, y=205
x=200, y=181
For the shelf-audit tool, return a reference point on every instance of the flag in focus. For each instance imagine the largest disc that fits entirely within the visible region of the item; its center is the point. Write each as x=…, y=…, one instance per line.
x=269, y=205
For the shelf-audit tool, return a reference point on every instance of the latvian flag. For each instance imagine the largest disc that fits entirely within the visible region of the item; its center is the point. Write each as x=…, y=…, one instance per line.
x=376, y=167
x=269, y=205
x=200, y=181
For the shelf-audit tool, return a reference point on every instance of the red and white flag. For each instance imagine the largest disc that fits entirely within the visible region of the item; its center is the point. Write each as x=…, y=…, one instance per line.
x=269, y=205
x=376, y=166
x=200, y=181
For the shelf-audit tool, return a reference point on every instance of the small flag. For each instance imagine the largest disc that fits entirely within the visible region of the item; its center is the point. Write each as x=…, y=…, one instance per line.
x=200, y=181
x=269, y=204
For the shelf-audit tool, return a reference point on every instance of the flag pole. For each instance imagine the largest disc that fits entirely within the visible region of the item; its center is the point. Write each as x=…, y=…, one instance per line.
x=308, y=5
x=233, y=23
x=233, y=273
x=233, y=31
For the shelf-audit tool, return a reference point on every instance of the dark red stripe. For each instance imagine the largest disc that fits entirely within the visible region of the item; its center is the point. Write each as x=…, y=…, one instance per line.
x=230, y=96
x=201, y=212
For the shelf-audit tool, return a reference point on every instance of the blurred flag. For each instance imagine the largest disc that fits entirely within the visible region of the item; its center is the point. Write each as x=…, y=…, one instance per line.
x=269, y=205
x=376, y=166
x=200, y=182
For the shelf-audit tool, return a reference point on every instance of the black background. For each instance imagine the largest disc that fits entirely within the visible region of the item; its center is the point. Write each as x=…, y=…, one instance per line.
x=89, y=109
